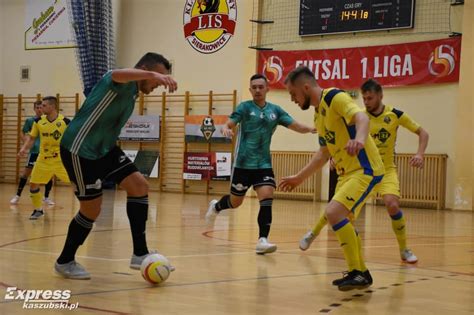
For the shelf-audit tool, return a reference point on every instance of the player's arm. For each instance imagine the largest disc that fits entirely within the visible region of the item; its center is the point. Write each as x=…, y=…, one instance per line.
x=319, y=159
x=361, y=122
x=418, y=159
x=301, y=128
x=30, y=140
x=132, y=74
x=227, y=128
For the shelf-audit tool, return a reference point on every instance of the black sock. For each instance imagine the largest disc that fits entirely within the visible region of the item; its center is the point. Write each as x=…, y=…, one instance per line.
x=79, y=228
x=21, y=185
x=224, y=203
x=265, y=217
x=47, y=188
x=137, y=212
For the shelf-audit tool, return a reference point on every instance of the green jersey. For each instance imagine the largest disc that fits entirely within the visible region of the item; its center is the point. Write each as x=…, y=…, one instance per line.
x=26, y=130
x=95, y=129
x=257, y=125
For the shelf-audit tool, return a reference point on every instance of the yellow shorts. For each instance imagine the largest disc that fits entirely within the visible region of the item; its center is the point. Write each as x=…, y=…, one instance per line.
x=353, y=189
x=45, y=169
x=389, y=184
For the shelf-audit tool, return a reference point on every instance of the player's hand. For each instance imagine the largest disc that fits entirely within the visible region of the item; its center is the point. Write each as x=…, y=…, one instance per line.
x=313, y=130
x=289, y=183
x=353, y=147
x=165, y=80
x=23, y=153
x=226, y=132
x=417, y=161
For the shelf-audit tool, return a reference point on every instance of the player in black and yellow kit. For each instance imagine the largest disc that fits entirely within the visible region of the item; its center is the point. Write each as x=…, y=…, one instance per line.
x=384, y=123
x=49, y=128
x=343, y=135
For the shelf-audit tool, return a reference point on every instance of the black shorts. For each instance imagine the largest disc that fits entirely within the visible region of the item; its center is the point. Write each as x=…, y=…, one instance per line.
x=88, y=175
x=31, y=160
x=243, y=178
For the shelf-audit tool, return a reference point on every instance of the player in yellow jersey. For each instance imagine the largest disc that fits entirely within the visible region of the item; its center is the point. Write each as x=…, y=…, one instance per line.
x=50, y=128
x=384, y=123
x=343, y=130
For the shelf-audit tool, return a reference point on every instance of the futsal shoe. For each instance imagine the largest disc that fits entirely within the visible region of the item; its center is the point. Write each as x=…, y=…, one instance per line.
x=72, y=270
x=15, y=200
x=36, y=214
x=48, y=202
x=353, y=280
x=366, y=275
x=136, y=261
x=264, y=247
x=307, y=239
x=211, y=213
x=408, y=256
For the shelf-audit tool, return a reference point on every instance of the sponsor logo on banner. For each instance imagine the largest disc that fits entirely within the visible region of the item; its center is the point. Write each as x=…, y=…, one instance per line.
x=209, y=24
x=442, y=61
x=273, y=69
x=207, y=127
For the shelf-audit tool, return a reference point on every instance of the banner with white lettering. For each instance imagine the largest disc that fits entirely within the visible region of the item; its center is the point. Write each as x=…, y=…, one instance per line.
x=207, y=166
x=417, y=63
x=141, y=128
x=47, y=25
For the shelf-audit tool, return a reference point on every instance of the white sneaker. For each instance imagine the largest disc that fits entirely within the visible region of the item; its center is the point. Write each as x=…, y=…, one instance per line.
x=307, y=239
x=15, y=200
x=408, y=256
x=72, y=270
x=211, y=213
x=264, y=247
x=48, y=201
x=136, y=261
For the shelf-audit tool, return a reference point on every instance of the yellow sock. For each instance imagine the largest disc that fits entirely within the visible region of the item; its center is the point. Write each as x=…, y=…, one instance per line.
x=36, y=199
x=346, y=235
x=398, y=226
x=363, y=267
x=321, y=223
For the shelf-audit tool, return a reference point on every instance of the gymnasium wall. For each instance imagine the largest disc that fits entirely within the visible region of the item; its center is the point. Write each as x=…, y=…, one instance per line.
x=148, y=25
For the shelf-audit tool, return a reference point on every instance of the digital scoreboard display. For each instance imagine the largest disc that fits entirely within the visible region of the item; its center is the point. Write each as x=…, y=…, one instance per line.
x=319, y=17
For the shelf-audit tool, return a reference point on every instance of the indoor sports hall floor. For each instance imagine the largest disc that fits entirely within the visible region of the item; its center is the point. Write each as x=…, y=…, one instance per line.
x=217, y=270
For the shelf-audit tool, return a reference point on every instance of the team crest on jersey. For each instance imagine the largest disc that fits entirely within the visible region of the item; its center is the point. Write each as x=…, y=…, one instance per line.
x=330, y=137
x=382, y=135
x=387, y=120
x=209, y=24
x=56, y=135
x=273, y=116
x=208, y=127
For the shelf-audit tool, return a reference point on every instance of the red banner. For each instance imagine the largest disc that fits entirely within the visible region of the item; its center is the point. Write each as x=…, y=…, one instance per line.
x=427, y=62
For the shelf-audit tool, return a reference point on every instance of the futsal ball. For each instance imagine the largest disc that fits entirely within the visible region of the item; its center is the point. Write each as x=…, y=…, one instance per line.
x=155, y=268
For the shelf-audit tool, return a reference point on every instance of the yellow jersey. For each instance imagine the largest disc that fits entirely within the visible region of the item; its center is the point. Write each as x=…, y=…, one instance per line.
x=383, y=129
x=50, y=133
x=332, y=118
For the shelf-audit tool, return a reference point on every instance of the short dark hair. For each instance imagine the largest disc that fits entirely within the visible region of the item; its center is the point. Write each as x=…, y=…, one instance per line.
x=258, y=76
x=301, y=71
x=37, y=103
x=51, y=99
x=371, y=86
x=151, y=59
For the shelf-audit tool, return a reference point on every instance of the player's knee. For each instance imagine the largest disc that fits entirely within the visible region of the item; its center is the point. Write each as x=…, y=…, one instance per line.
x=392, y=206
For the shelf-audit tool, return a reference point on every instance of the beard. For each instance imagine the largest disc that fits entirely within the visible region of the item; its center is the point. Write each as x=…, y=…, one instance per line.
x=307, y=103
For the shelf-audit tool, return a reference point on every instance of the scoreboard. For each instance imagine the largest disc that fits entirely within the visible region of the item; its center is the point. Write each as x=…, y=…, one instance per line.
x=319, y=17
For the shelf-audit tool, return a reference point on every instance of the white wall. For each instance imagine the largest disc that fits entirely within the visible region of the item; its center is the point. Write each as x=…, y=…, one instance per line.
x=52, y=70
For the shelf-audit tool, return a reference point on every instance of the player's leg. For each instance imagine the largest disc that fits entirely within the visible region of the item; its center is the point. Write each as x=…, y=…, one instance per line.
x=264, y=185
x=47, y=190
x=390, y=191
x=83, y=173
x=25, y=173
x=239, y=187
x=41, y=174
x=349, y=197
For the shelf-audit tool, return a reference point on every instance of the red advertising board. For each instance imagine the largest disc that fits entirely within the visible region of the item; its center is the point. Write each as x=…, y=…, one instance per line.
x=428, y=62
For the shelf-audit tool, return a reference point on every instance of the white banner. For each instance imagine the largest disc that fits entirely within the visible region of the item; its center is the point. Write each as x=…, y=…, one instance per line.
x=141, y=128
x=47, y=25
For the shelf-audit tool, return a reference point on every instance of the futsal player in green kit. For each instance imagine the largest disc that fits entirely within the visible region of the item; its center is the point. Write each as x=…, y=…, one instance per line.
x=258, y=120
x=91, y=156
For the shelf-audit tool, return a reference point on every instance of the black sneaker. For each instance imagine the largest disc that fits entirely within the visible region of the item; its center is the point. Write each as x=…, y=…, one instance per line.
x=368, y=277
x=353, y=280
x=36, y=214
x=340, y=280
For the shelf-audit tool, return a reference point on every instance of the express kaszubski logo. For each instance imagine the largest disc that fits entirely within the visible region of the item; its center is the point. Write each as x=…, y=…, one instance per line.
x=41, y=299
x=273, y=69
x=442, y=61
x=209, y=24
